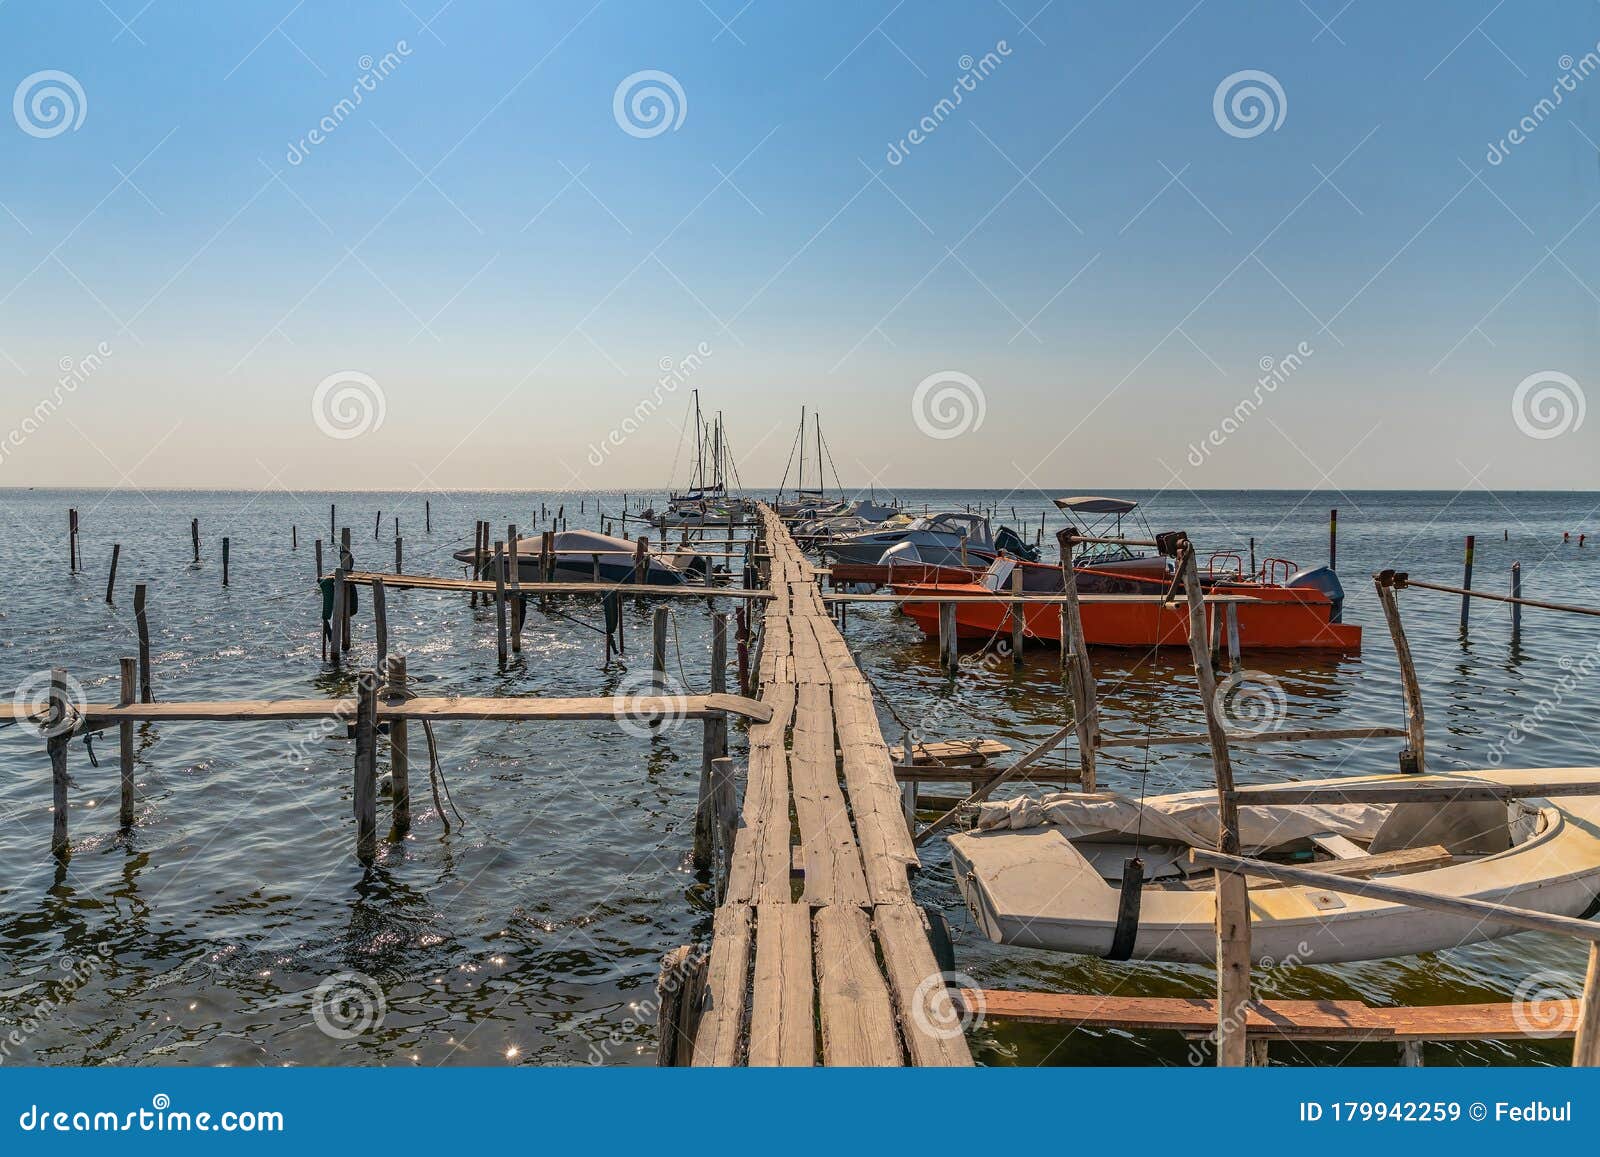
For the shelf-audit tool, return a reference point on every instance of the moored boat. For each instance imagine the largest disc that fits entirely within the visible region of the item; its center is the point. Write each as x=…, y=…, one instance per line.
x=587, y=555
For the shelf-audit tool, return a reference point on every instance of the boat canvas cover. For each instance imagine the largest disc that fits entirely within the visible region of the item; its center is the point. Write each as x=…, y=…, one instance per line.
x=1094, y=504
x=1190, y=819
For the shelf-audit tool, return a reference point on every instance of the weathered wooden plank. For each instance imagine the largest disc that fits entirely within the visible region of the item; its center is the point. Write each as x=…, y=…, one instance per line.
x=782, y=1016
x=858, y=1020
x=721, y=1028
x=887, y=853
x=760, y=867
x=933, y=1024
x=428, y=582
x=832, y=862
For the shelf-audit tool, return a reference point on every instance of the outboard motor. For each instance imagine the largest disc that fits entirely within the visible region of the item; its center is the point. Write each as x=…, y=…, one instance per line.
x=1010, y=542
x=1323, y=579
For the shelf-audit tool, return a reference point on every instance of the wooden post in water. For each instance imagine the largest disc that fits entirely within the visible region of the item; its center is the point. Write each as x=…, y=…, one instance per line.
x=1586, y=1044
x=949, y=651
x=1516, y=593
x=128, y=669
x=477, y=560
x=336, y=620
x=294, y=537
x=641, y=560
x=57, y=736
x=1466, y=581
x=514, y=566
x=399, y=556
x=742, y=648
x=143, y=624
x=547, y=563
x=714, y=747
x=333, y=522
x=319, y=560
x=72, y=540
x=347, y=563
x=224, y=560
x=377, y=525
x=658, y=650
x=1233, y=896
x=380, y=624
x=194, y=539
x=111, y=579
x=1414, y=757
x=500, y=600
x=427, y=517
x=1233, y=636
x=1077, y=667
x=1018, y=622
x=399, y=751
x=1333, y=540
x=366, y=770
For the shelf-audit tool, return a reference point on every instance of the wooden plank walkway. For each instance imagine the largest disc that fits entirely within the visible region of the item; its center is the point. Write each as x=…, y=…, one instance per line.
x=433, y=582
x=818, y=951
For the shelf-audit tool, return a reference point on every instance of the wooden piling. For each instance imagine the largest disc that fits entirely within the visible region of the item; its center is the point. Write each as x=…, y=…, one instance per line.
x=128, y=669
x=224, y=561
x=714, y=747
x=399, y=751
x=336, y=627
x=333, y=522
x=294, y=537
x=377, y=525
x=1333, y=539
x=1586, y=1044
x=658, y=649
x=1233, y=896
x=427, y=517
x=1466, y=580
x=1414, y=757
x=143, y=625
x=72, y=540
x=380, y=624
x=347, y=563
x=366, y=769
x=319, y=560
x=194, y=539
x=1232, y=614
x=949, y=649
x=500, y=600
x=477, y=559
x=514, y=567
x=1516, y=608
x=1017, y=621
x=1079, y=670
x=399, y=556
x=58, y=736
x=111, y=579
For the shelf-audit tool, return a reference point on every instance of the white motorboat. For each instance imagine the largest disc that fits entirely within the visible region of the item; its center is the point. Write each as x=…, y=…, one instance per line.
x=1047, y=873
x=953, y=538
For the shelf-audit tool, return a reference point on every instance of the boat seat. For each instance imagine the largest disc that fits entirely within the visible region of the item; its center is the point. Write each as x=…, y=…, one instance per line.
x=1464, y=829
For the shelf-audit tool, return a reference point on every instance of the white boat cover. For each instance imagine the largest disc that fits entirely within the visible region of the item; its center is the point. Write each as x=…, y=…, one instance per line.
x=1189, y=819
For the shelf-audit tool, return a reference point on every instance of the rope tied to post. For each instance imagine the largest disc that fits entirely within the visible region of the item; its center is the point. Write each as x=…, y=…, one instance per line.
x=392, y=693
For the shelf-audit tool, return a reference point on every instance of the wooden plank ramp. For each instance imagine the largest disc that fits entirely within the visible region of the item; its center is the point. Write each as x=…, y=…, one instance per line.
x=819, y=955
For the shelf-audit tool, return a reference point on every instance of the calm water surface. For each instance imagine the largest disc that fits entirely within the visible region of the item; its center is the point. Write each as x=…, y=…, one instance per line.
x=533, y=932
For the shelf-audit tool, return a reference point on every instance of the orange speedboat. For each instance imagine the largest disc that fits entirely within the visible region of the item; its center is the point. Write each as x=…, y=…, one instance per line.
x=1299, y=613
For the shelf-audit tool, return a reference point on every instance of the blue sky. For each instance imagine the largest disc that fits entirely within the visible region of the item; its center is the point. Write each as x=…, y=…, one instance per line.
x=1081, y=239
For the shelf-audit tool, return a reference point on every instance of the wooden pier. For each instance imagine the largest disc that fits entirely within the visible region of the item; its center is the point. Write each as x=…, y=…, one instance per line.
x=819, y=951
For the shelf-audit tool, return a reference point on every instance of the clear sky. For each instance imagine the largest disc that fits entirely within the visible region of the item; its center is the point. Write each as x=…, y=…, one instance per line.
x=1095, y=249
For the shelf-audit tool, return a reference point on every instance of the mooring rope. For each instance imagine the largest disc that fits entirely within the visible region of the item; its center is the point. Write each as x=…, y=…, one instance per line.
x=436, y=776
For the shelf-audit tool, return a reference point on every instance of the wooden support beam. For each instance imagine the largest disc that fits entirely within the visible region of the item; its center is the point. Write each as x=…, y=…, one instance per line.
x=399, y=750
x=365, y=789
x=128, y=669
x=143, y=625
x=58, y=734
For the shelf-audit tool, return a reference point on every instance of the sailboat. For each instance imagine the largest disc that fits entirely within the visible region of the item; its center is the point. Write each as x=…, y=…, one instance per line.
x=807, y=502
x=706, y=502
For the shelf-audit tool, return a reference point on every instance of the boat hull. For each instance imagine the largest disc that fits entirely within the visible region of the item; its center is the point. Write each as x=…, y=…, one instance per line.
x=1275, y=618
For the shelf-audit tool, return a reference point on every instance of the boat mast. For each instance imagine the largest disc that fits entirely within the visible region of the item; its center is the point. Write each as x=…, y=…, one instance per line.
x=800, y=483
x=716, y=455
x=822, y=481
x=699, y=447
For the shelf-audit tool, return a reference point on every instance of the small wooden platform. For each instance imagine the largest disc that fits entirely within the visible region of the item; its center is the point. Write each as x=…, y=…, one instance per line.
x=1301, y=1020
x=431, y=582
